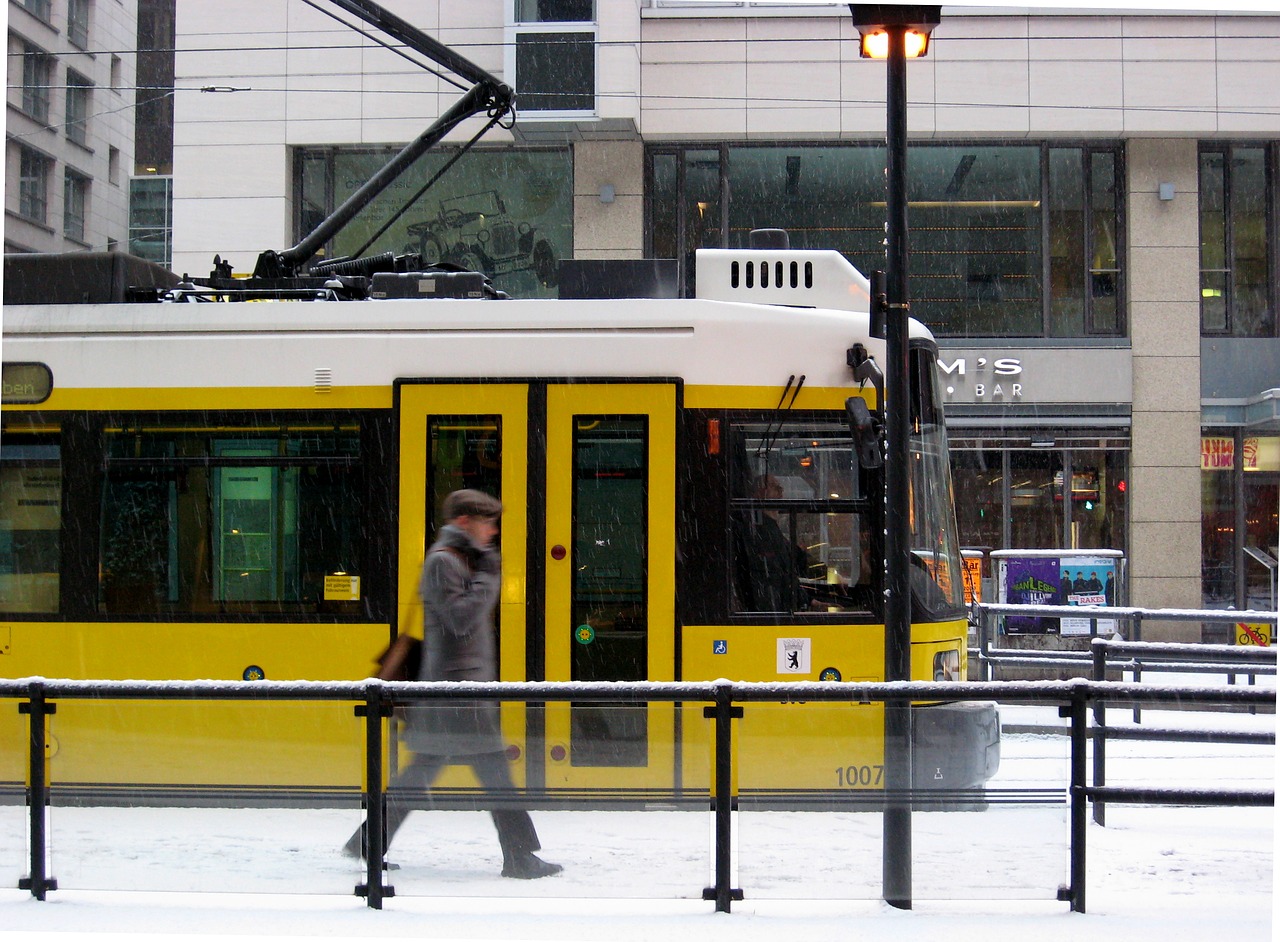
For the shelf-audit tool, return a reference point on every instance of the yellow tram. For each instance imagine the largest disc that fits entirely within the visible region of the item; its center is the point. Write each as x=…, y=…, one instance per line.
x=245, y=490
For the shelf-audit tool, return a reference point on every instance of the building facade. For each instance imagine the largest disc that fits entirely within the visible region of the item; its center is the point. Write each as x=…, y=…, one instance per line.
x=69, y=124
x=1093, y=204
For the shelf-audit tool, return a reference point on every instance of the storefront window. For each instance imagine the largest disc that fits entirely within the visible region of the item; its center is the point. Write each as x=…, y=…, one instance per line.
x=979, y=482
x=506, y=213
x=980, y=229
x=1051, y=496
x=1240, y=519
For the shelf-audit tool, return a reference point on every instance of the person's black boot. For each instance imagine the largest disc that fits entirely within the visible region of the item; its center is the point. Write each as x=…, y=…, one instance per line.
x=528, y=866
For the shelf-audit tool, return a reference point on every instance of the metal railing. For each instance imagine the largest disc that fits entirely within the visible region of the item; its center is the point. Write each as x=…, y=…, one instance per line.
x=722, y=700
x=1193, y=658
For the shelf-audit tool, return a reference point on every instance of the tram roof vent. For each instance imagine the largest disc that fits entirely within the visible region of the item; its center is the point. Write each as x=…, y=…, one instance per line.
x=771, y=273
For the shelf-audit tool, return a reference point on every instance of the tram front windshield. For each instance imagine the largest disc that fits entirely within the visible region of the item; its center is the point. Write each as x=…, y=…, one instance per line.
x=937, y=586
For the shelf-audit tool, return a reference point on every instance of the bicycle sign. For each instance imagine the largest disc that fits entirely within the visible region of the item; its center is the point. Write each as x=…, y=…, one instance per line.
x=1258, y=635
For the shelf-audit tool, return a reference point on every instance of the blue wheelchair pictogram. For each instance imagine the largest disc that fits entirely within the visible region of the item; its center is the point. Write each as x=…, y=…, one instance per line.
x=719, y=647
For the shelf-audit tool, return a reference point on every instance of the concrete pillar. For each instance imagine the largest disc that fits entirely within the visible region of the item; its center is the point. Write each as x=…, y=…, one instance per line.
x=1164, y=325
x=608, y=199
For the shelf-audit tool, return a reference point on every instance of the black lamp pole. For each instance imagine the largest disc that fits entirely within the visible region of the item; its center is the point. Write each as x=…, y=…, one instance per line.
x=897, y=21
x=897, y=640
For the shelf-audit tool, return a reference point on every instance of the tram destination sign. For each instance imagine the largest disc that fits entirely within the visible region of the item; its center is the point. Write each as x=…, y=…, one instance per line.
x=26, y=383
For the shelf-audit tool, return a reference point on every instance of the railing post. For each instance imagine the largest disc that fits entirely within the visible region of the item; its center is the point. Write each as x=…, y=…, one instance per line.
x=723, y=713
x=375, y=708
x=1079, y=820
x=39, y=882
x=1099, y=732
x=984, y=641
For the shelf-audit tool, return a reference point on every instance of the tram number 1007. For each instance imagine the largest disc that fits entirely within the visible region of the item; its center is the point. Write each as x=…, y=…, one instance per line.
x=859, y=776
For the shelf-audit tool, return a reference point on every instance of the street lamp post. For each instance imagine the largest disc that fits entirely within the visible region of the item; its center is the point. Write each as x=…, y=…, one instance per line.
x=896, y=33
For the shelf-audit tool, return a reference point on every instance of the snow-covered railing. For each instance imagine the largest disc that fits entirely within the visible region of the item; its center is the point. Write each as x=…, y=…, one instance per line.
x=1251, y=660
x=37, y=697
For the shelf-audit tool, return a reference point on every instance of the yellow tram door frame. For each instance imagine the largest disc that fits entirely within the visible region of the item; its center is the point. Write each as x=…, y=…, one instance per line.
x=592, y=615
x=508, y=403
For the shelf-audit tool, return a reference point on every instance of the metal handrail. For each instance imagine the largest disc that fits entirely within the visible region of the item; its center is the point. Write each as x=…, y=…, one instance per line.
x=38, y=698
x=1161, y=656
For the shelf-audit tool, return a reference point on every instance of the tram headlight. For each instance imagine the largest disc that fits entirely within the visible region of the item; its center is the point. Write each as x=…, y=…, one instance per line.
x=946, y=666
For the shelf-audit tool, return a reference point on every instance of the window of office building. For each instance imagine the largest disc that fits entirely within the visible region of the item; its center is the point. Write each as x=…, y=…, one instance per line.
x=1007, y=240
x=505, y=213
x=75, y=205
x=33, y=184
x=37, y=72
x=78, y=23
x=1240, y=526
x=40, y=9
x=551, y=51
x=151, y=219
x=1237, y=240
x=79, y=97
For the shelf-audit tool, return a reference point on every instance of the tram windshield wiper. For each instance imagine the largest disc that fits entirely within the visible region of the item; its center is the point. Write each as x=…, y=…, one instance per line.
x=770, y=437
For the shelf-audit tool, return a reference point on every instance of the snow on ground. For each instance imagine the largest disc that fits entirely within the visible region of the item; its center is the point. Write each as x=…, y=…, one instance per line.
x=1157, y=874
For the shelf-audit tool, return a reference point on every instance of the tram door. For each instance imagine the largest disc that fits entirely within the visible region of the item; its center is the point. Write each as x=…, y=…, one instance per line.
x=610, y=579
x=468, y=435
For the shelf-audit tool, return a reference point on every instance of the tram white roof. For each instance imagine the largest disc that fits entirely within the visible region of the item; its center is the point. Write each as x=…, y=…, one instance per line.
x=283, y=343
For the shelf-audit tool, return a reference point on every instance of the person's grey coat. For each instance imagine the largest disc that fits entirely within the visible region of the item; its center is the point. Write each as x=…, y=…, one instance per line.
x=459, y=588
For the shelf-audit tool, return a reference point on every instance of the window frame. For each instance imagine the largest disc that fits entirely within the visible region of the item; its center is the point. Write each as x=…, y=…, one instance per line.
x=42, y=10
x=37, y=76
x=34, y=169
x=1270, y=150
x=76, y=188
x=78, y=25
x=516, y=29
x=84, y=475
x=867, y=506
x=79, y=106
x=719, y=217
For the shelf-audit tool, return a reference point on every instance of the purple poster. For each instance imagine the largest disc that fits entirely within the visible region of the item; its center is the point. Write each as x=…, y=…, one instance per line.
x=1031, y=580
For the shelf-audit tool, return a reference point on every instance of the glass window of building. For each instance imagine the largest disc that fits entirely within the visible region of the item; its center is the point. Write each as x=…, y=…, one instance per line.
x=506, y=213
x=1237, y=240
x=33, y=184
x=37, y=72
x=75, y=205
x=151, y=219
x=1007, y=240
x=78, y=23
x=551, y=51
x=40, y=9
x=79, y=102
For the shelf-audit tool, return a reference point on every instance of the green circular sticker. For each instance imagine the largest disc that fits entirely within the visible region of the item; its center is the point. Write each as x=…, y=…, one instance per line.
x=584, y=634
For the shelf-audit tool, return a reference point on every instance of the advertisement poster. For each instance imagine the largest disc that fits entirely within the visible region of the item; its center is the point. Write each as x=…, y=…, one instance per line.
x=1068, y=579
x=1030, y=580
x=1087, y=580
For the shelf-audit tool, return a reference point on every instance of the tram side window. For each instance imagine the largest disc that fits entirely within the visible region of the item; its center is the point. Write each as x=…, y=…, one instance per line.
x=231, y=519
x=30, y=522
x=799, y=525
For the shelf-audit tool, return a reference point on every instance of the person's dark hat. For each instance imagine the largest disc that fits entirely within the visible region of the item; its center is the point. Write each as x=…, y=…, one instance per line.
x=471, y=503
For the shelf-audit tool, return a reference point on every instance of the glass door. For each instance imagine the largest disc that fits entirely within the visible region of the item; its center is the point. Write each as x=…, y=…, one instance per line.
x=474, y=436
x=610, y=595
